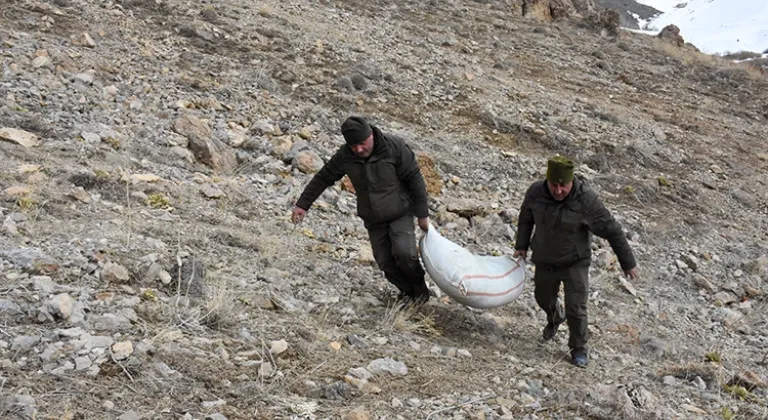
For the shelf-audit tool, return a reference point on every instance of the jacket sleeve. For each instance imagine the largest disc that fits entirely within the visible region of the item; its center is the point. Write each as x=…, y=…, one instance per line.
x=410, y=174
x=525, y=222
x=331, y=172
x=602, y=224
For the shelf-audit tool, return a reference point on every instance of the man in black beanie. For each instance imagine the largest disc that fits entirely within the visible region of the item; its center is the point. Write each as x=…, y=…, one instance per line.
x=566, y=212
x=390, y=192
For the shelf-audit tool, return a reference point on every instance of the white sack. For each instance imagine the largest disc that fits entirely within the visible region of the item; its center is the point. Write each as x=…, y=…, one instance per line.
x=473, y=280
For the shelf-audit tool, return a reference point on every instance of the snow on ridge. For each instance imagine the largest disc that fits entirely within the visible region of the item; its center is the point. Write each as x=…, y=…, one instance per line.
x=714, y=26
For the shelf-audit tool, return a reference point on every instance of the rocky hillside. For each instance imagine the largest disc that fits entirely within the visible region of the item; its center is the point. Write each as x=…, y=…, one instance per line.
x=152, y=151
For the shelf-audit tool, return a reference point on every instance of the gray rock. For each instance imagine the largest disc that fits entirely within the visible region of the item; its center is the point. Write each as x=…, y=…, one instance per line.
x=215, y=416
x=86, y=78
x=22, y=405
x=82, y=363
x=129, y=415
x=27, y=258
x=654, y=346
x=10, y=308
x=25, y=342
x=65, y=367
x=356, y=341
x=110, y=322
x=336, y=391
x=387, y=366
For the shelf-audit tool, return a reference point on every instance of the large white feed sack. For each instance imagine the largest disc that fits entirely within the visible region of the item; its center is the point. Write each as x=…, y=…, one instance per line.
x=473, y=280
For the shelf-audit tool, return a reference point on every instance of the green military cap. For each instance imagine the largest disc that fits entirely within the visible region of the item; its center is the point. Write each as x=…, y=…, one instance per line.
x=559, y=170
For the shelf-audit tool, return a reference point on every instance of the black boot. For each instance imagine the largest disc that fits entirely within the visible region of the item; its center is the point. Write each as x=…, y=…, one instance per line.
x=551, y=329
x=579, y=357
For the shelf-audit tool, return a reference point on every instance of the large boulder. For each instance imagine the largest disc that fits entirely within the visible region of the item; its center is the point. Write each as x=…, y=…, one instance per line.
x=584, y=7
x=606, y=21
x=671, y=34
x=548, y=10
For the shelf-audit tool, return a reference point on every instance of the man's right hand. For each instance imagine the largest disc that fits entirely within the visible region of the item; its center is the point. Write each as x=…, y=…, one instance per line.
x=298, y=215
x=520, y=253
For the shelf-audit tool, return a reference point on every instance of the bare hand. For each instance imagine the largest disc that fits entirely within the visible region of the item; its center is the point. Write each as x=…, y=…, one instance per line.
x=298, y=215
x=424, y=223
x=520, y=253
x=631, y=274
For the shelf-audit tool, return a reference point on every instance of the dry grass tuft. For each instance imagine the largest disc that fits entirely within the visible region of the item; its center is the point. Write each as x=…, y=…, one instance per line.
x=691, y=57
x=411, y=320
x=429, y=171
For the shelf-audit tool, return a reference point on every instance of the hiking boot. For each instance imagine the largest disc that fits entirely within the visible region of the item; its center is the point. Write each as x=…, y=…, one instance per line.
x=579, y=358
x=550, y=330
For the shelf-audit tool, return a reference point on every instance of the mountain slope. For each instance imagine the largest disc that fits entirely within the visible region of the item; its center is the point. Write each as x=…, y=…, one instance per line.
x=148, y=268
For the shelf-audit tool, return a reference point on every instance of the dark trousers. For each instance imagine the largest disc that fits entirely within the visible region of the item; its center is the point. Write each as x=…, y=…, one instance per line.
x=395, y=252
x=576, y=283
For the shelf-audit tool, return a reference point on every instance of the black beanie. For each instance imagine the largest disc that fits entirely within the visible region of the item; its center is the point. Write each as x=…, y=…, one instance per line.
x=355, y=130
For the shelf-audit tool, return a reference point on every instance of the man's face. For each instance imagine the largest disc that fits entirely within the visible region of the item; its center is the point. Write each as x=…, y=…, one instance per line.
x=559, y=191
x=363, y=149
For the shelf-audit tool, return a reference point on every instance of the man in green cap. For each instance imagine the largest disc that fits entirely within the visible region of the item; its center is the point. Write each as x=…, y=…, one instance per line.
x=566, y=212
x=390, y=192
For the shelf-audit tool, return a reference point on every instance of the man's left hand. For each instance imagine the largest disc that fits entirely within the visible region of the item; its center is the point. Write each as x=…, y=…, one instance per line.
x=424, y=223
x=631, y=274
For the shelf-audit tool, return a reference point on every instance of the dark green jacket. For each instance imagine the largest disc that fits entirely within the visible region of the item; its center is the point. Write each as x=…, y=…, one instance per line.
x=388, y=183
x=564, y=228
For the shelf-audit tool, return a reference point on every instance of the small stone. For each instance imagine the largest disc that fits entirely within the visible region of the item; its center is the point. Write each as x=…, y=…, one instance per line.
x=114, y=273
x=86, y=78
x=20, y=137
x=464, y=353
x=266, y=369
x=356, y=414
x=91, y=138
x=108, y=405
x=396, y=403
x=693, y=409
x=86, y=40
x=278, y=347
x=212, y=191
x=41, y=61
x=122, y=350
x=216, y=416
x=81, y=195
x=414, y=402
x=356, y=341
x=110, y=91
x=61, y=305
x=308, y=162
x=10, y=308
x=25, y=343
x=129, y=415
x=526, y=399
x=22, y=406
x=334, y=346
x=389, y=366
x=305, y=133
x=212, y=404
x=82, y=363
x=669, y=380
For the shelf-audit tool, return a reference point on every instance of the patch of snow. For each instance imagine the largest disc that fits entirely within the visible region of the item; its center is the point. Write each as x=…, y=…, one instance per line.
x=642, y=23
x=663, y=6
x=715, y=26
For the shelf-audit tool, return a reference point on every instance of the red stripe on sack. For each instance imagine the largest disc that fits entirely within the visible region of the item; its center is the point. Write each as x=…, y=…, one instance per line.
x=494, y=294
x=483, y=276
